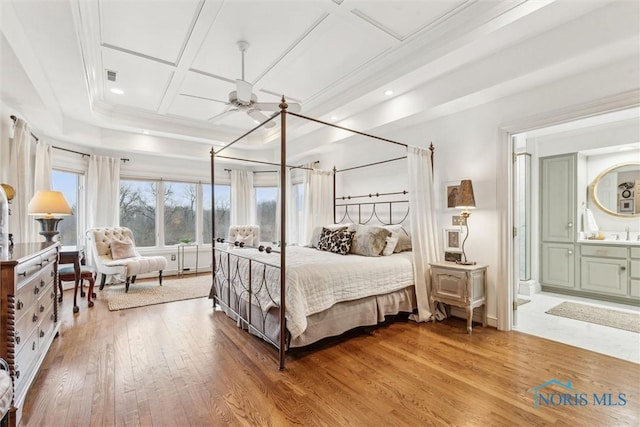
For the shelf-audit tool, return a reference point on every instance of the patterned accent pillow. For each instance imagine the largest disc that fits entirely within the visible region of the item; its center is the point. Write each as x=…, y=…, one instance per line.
x=369, y=240
x=336, y=241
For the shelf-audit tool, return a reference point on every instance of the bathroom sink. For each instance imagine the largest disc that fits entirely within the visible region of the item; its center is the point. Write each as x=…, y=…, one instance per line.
x=610, y=242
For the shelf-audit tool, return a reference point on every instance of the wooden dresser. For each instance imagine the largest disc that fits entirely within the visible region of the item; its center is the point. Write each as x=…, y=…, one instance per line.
x=28, y=314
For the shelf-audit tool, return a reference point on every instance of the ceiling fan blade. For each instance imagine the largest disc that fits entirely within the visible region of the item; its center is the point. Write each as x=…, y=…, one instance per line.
x=259, y=117
x=243, y=91
x=222, y=115
x=275, y=106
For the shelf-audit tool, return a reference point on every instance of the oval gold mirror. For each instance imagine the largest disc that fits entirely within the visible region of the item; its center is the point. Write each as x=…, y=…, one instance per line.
x=617, y=190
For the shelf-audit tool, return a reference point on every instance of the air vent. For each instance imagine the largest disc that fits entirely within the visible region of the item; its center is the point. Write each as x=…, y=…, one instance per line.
x=111, y=75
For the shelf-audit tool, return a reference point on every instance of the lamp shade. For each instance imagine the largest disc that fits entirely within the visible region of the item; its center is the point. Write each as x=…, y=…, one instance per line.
x=48, y=204
x=465, y=198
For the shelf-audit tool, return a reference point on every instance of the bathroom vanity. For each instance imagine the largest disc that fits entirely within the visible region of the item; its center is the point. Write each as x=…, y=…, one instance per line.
x=571, y=260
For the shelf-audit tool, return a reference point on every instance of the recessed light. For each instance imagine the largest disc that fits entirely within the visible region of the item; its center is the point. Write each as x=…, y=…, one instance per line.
x=334, y=118
x=117, y=91
x=388, y=92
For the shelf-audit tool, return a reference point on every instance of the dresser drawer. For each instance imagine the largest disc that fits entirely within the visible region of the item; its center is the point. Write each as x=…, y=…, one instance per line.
x=604, y=251
x=635, y=253
x=25, y=326
x=634, y=290
x=46, y=327
x=24, y=360
x=27, y=295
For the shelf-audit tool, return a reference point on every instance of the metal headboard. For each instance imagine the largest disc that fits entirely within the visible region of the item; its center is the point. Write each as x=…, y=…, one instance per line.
x=373, y=210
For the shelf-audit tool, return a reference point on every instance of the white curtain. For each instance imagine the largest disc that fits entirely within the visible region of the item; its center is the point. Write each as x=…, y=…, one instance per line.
x=318, y=201
x=243, y=210
x=292, y=224
x=103, y=192
x=42, y=169
x=21, y=225
x=424, y=228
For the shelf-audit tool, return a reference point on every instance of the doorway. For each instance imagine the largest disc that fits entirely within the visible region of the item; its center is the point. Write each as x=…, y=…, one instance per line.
x=531, y=301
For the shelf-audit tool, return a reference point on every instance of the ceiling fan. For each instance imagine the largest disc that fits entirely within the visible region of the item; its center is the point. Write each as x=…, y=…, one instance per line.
x=243, y=99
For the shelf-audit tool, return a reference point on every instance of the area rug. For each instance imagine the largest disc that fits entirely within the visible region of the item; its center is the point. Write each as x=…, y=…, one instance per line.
x=150, y=292
x=522, y=301
x=601, y=316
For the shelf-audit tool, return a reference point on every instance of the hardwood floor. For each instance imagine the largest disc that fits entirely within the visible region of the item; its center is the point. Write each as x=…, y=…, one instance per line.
x=184, y=364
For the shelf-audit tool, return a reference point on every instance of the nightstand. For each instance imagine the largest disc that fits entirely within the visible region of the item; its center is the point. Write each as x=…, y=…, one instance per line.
x=460, y=285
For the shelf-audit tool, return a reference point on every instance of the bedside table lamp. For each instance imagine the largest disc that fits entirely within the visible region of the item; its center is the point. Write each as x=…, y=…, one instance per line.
x=465, y=201
x=49, y=204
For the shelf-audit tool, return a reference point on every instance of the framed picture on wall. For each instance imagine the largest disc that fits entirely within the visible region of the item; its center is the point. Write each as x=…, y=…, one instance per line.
x=452, y=240
x=451, y=190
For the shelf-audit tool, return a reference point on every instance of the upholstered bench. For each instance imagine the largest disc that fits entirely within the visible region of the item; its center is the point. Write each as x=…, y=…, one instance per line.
x=114, y=252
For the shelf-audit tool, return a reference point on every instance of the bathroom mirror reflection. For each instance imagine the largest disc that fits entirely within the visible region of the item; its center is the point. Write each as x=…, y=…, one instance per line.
x=616, y=190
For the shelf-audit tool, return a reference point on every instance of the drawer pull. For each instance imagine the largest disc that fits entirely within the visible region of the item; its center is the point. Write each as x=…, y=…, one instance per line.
x=623, y=268
x=19, y=305
x=35, y=318
x=24, y=273
x=41, y=334
x=41, y=308
x=17, y=338
x=42, y=283
x=36, y=290
x=52, y=317
x=53, y=295
x=33, y=346
x=570, y=252
x=17, y=374
x=51, y=274
x=570, y=225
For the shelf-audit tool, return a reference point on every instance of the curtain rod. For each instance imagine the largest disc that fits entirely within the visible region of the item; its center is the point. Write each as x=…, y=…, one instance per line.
x=260, y=162
x=15, y=119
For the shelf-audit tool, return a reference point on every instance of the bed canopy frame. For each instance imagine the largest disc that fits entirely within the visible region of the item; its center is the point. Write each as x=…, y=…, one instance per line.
x=281, y=345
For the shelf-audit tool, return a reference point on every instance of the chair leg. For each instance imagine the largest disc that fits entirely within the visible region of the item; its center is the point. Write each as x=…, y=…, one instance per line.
x=102, y=280
x=160, y=277
x=82, y=294
x=94, y=276
x=90, y=292
x=133, y=279
x=75, y=295
x=126, y=285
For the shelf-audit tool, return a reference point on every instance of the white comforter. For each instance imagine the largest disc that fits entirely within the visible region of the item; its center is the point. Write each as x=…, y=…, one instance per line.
x=316, y=280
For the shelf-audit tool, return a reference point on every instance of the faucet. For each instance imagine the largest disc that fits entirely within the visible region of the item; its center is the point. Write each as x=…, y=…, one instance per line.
x=626, y=229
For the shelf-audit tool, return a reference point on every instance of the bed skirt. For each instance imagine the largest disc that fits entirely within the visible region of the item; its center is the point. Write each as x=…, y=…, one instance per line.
x=335, y=321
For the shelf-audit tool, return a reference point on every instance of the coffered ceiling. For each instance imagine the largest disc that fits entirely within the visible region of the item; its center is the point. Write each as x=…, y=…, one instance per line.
x=177, y=61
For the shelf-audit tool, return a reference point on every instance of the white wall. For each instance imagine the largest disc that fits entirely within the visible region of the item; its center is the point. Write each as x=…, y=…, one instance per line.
x=468, y=145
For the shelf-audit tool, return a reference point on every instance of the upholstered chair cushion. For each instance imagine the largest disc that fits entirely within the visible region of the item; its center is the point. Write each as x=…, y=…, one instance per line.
x=122, y=249
x=238, y=233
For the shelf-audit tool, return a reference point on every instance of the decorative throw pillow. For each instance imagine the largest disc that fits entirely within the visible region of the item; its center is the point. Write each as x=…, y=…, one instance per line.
x=404, y=239
x=339, y=241
x=247, y=240
x=121, y=249
x=391, y=243
x=324, y=242
x=317, y=233
x=369, y=241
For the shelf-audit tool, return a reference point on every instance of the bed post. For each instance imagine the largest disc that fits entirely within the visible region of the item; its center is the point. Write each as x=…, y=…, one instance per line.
x=283, y=226
x=334, y=194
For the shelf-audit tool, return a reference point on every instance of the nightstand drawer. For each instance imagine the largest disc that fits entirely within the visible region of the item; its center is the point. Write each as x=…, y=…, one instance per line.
x=449, y=284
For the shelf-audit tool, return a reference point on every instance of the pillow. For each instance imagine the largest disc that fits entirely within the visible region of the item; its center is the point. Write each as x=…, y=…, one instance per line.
x=121, y=249
x=391, y=243
x=404, y=239
x=317, y=233
x=247, y=240
x=336, y=241
x=369, y=241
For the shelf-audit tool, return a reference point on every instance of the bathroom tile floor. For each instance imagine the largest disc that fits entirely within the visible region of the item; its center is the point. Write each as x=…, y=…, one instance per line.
x=614, y=342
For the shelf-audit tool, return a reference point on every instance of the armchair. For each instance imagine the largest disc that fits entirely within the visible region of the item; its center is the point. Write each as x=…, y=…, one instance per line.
x=114, y=252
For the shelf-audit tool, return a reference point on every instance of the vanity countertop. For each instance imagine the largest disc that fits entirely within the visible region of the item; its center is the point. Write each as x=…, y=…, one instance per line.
x=609, y=242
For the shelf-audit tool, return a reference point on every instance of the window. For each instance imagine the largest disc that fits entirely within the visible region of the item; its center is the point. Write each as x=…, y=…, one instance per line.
x=266, y=199
x=69, y=184
x=179, y=212
x=222, y=211
x=138, y=210
x=297, y=222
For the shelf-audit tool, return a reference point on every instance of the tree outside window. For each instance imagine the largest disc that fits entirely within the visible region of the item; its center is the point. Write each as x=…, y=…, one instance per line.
x=180, y=201
x=138, y=210
x=222, y=211
x=266, y=199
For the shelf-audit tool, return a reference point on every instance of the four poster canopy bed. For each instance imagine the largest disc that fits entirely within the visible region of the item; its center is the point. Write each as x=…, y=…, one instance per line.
x=353, y=273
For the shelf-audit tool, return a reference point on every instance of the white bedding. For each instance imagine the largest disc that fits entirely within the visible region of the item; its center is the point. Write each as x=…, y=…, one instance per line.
x=316, y=280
